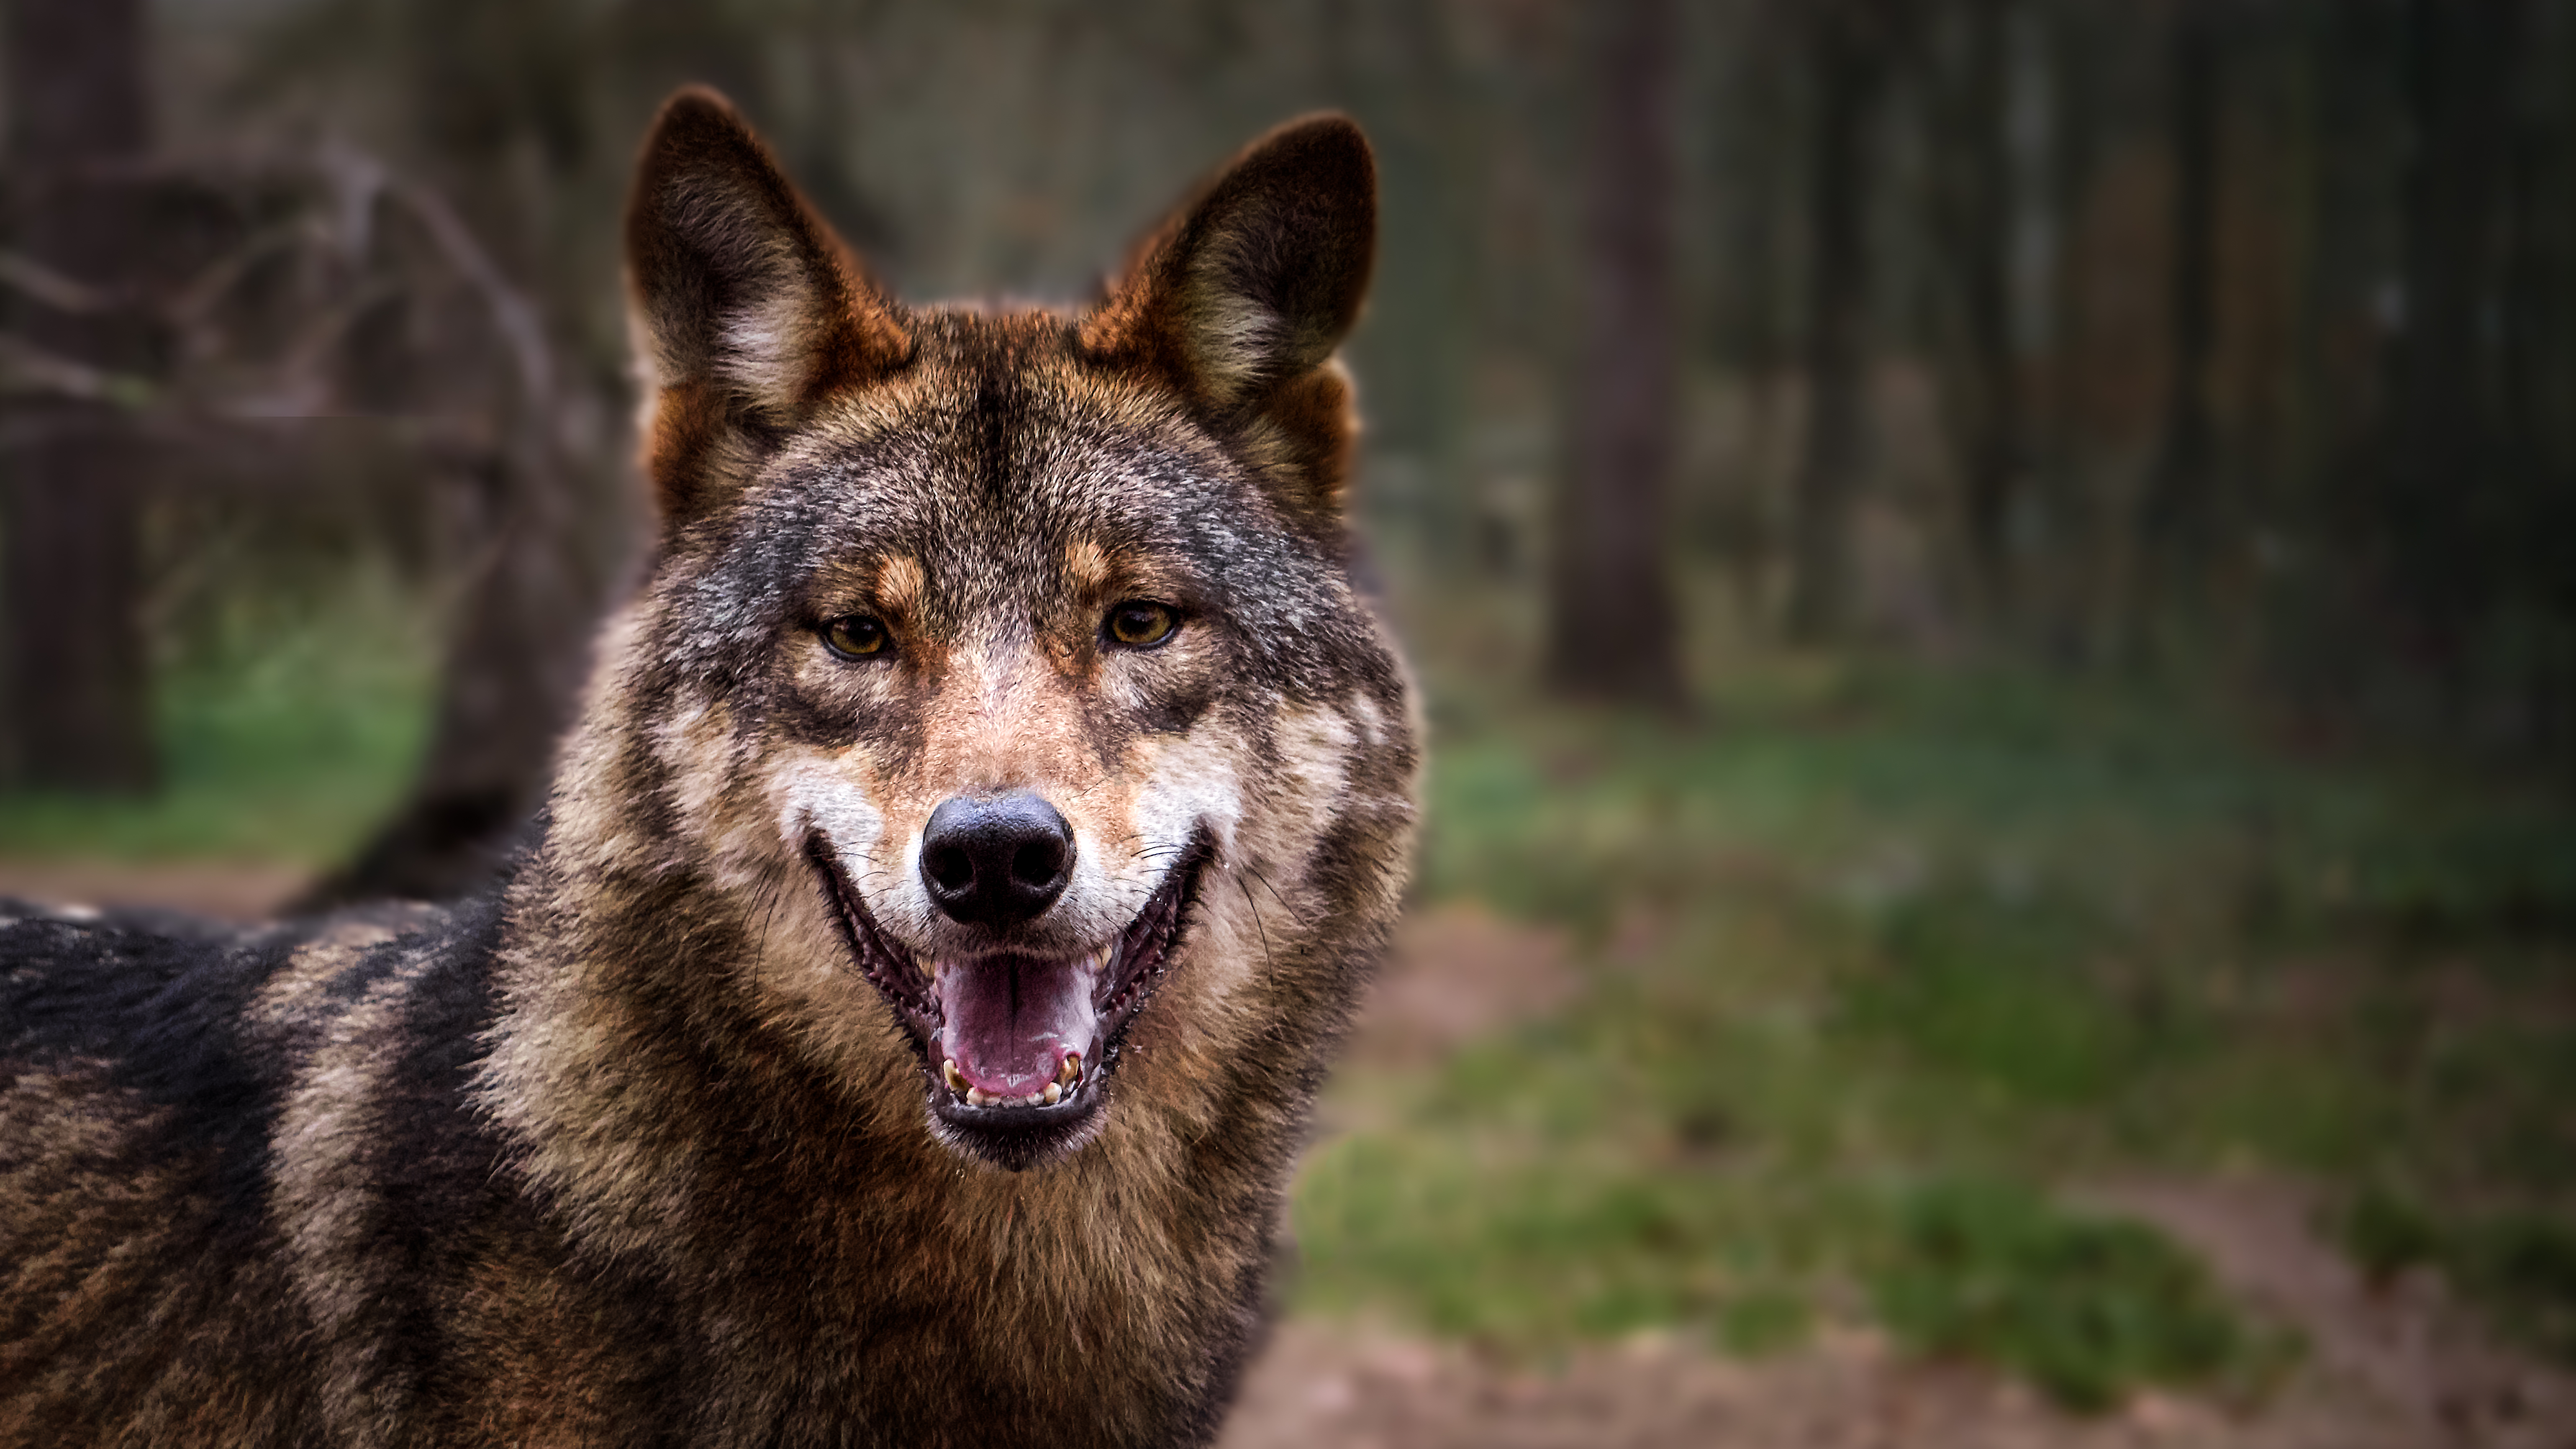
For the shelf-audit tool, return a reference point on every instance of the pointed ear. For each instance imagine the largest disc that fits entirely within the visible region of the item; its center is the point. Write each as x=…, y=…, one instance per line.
x=1240, y=299
x=745, y=308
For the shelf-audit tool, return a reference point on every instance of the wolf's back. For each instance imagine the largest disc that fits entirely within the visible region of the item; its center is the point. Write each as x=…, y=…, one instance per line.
x=163, y=1093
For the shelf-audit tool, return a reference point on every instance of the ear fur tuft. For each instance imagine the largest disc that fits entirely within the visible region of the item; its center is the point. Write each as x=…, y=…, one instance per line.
x=1240, y=299
x=746, y=309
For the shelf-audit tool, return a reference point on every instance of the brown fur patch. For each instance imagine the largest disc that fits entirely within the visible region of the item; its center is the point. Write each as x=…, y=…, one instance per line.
x=1086, y=568
x=1240, y=299
x=899, y=585
x=691, y=421
x=791, y=319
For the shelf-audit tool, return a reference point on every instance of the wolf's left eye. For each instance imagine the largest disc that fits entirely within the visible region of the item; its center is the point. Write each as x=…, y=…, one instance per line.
x=1142, y=624
x=854, y=636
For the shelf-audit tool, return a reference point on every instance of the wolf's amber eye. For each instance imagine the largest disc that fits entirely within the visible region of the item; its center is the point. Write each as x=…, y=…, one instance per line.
x=854, y=636
x=1140, y=624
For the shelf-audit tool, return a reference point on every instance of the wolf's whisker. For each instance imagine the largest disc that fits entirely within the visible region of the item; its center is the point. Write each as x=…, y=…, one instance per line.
x=1274, y=895
x=1263, y=931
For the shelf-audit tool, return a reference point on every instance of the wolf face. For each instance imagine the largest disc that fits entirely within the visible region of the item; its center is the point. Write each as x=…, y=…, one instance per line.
x=1001, y=668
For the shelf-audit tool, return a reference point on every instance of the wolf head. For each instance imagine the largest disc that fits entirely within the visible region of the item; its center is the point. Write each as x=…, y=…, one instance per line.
x=997, y=730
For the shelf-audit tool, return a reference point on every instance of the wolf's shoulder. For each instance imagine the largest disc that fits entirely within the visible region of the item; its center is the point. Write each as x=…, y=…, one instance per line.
x=81, y=983
x=165, y=1096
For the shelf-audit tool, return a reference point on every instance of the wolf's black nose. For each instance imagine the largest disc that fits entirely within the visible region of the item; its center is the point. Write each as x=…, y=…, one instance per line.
x=996, y=860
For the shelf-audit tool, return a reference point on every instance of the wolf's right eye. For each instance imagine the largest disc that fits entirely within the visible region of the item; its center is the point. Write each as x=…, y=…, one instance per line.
x=854, y=636
x=1142, y=623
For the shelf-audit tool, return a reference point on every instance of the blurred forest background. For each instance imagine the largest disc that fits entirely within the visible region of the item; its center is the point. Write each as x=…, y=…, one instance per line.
x=1996, y=580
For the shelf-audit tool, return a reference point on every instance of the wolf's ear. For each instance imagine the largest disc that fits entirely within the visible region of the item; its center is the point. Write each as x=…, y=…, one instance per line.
x=746, y=309
x=1240, y=299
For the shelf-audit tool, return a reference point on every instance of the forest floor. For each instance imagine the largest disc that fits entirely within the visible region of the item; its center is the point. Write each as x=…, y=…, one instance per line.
x=2400, y=1366
x=227, y=890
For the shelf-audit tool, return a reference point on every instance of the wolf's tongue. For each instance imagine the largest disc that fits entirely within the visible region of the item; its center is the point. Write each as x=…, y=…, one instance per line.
x=1010, y=1020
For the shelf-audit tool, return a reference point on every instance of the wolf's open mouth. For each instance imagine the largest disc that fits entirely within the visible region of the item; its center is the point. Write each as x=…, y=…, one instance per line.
x=1018, y=1047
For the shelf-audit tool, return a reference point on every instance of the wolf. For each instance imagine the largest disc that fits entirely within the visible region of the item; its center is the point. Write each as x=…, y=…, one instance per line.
x=902, y=1026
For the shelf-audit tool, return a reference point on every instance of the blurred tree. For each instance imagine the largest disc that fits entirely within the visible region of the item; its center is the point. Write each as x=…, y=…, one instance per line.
x=1391, y=68
x=78, y=665
x=495, y=99
x=521, y=645
x=1974, y=213
x=1611, y=630
x=2179, y=524
x=1847, y=46
x=2446, y=470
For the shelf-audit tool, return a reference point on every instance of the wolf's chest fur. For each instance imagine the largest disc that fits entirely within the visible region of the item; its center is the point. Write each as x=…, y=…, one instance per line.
x=979, y=825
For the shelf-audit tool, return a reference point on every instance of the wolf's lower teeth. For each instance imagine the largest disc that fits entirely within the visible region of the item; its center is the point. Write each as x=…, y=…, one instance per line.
x=1068, y=1077
x=977, y=1097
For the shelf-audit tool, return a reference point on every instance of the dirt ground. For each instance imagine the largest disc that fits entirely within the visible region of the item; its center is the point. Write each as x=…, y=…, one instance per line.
x=2400, y=1369
x=226, y=890
x=2403, y=1368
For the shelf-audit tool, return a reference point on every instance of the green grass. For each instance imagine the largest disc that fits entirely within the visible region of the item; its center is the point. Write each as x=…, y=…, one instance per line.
x=2522, y=1264
x=2088, y=1308
x=1874, y=956
x=284, y=736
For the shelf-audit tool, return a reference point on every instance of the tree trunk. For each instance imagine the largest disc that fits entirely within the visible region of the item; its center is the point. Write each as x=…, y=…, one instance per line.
x=1611, y=626
x=78, y=668
x=521, y=649
x=1987, y=393
x=547, y=544
x=1845, y=56
x=513, y=674
x=2179, y=523
x=2442, y=457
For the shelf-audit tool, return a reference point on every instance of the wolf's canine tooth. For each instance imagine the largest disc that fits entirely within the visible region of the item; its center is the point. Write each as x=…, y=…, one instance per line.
x=955, y=1079
x=1069, y=1070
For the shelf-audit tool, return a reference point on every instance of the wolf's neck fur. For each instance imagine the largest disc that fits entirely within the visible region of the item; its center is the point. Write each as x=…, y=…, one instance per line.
x=673, y=1129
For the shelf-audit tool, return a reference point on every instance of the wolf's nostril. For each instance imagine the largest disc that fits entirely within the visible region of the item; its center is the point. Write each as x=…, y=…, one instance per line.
x=1038, y=863
x=996, y=860
x=950, y=868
